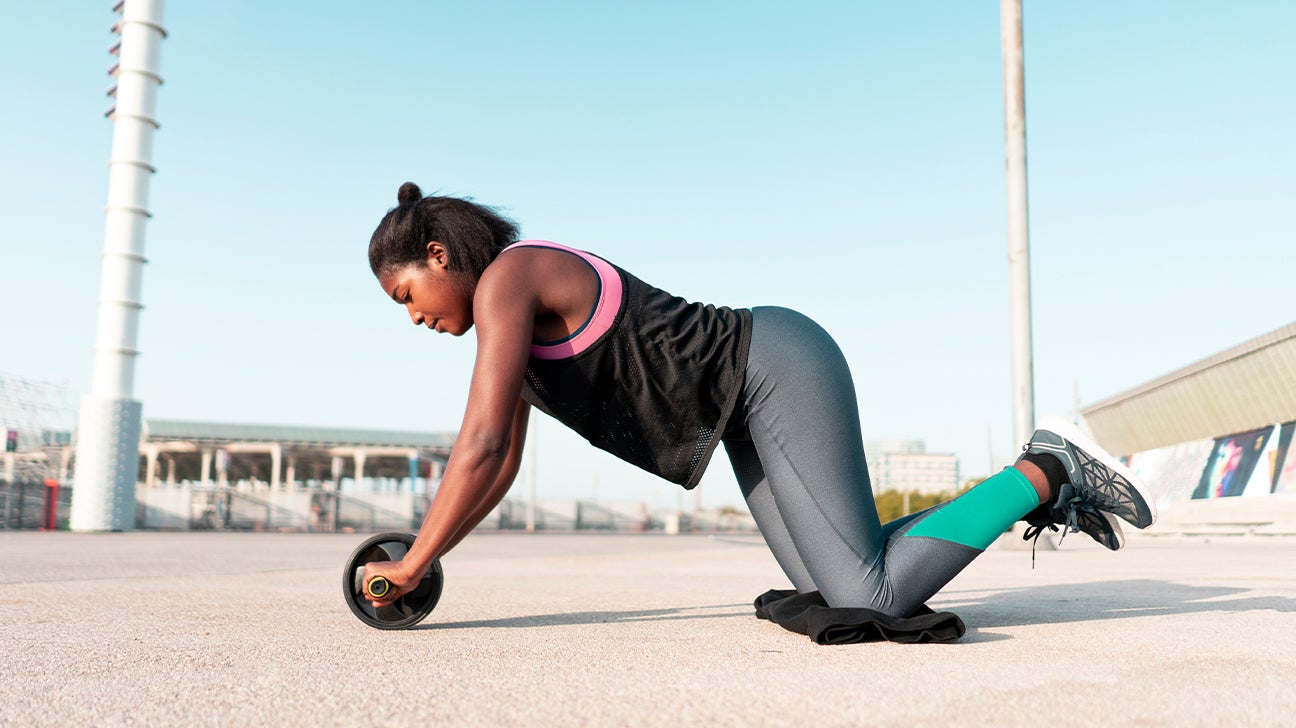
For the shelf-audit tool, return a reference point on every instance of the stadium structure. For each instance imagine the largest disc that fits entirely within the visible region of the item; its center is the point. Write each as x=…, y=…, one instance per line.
x=228, y=475
x=1214, y=439
x=234, y=476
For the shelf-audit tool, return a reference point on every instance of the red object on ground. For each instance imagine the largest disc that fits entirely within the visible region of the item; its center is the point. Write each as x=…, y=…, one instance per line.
x=49, y=518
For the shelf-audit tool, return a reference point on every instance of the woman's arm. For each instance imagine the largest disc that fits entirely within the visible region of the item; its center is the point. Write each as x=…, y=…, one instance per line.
x=506, y=477
x=504, y=309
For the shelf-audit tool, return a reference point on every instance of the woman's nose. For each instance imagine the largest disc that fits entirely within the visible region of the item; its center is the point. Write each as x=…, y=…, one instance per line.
x=415, y=316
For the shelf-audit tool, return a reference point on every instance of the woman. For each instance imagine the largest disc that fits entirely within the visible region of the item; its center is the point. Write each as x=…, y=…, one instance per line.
x=660, y=382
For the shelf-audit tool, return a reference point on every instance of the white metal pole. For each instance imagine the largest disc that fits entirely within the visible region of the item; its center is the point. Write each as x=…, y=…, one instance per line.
x=1023, y=386
x=534, y=434
x=108, y=433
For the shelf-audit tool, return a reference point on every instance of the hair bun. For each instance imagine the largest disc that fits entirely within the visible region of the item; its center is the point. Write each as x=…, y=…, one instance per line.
x=409, y=192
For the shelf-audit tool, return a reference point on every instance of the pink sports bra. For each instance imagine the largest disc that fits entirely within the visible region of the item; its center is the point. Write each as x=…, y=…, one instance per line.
x=601, y=317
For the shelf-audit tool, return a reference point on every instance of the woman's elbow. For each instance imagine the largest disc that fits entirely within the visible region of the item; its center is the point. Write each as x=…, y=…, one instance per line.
x=485, y=448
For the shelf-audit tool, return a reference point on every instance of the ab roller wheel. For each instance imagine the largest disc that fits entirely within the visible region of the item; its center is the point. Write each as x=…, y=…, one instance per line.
x=406, y=611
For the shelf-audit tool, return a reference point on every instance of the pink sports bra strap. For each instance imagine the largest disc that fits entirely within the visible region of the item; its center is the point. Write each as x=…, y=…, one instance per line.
x=600, y=319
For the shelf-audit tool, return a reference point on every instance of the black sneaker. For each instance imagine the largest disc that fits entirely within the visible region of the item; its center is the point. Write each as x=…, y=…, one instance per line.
x=1102, y=527
x=1097, y=482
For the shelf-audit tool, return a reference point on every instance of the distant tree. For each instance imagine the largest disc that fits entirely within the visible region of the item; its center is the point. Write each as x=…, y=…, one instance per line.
x=891, y=503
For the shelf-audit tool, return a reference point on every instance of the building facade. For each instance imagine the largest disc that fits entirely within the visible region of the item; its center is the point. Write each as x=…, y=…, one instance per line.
x=907, y=467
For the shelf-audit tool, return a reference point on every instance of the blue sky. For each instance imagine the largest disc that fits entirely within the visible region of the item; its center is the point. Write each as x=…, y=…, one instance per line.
x=844, y=159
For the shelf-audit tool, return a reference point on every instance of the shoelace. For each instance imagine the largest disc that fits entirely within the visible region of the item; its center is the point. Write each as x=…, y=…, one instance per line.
x=1071, y=521
x=1033, y=534
x=1072, y=514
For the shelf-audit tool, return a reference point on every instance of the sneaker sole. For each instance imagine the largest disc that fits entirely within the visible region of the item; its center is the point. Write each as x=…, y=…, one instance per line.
x=1077, y=437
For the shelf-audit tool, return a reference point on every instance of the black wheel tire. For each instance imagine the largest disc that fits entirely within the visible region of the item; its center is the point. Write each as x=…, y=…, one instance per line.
x=409, y=609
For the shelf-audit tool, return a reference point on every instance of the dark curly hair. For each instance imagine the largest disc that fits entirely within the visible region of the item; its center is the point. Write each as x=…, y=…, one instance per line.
x=472, y=234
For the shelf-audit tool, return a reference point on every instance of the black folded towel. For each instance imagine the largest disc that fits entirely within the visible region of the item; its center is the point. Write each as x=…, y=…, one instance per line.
x=810, y=615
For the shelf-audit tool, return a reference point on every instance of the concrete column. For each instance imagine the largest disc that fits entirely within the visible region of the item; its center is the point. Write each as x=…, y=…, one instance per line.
x=150, y=469
x=171, y=471
x=438, y=472
x=360, y=457
x=291, y=478
x=204, y=477
x=222, y=469
x=276, y=465
x=108, y=427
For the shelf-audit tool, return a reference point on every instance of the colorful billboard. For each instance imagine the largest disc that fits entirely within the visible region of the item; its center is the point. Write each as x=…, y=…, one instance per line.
x=1231, y=463
x=1283, y=465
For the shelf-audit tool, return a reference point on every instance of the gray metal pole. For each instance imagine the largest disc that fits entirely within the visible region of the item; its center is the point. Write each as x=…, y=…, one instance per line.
x=1023, y=385
x=531, y=480
x=108, y=432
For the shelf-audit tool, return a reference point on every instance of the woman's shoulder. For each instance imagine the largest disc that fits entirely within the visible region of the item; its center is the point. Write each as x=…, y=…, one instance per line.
x=557, y=255
x=541, y=263
x=533, y=245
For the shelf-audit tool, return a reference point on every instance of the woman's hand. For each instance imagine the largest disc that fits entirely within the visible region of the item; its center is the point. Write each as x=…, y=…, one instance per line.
x=398, y=576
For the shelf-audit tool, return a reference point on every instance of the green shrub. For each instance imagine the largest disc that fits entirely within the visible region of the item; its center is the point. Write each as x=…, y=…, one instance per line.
x=891, y=503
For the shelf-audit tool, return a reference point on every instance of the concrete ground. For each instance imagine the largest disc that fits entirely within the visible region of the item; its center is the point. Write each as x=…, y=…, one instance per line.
x=229, y=629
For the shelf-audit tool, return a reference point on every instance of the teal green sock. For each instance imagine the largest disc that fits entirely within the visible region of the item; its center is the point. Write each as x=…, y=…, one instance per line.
x=980, y=515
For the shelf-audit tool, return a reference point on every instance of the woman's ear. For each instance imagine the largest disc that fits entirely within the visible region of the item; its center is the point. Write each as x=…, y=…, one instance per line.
x=436, y=255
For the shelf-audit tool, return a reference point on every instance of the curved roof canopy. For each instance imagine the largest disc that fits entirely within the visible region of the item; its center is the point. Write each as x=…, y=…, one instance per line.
x=1248, y=386
x=221, y=432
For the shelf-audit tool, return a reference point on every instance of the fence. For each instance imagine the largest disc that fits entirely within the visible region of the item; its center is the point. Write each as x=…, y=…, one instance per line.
x=320, y=511
x=33, y=504
x=26, y=504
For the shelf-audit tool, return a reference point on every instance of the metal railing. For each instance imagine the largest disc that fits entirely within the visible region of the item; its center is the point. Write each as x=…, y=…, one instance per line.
x=26, y=504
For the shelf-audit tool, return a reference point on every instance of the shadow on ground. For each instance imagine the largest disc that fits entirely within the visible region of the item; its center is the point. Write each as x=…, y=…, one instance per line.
x=568, y=618
x=1055, y=604
x=1103, y=600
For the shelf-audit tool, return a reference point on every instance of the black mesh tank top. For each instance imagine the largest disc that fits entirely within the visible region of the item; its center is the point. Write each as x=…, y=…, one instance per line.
x=658, y=387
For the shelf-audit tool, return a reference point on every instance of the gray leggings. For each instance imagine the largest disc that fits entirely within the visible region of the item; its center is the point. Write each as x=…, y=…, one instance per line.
x=799, y=458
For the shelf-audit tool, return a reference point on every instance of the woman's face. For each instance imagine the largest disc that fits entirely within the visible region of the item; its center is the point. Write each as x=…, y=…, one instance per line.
x=434, y=296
